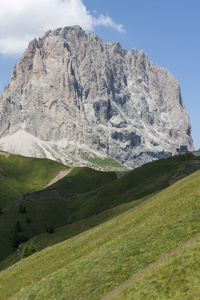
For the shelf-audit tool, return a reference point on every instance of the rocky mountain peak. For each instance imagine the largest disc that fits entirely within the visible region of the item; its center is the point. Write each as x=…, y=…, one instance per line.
x=71, y=85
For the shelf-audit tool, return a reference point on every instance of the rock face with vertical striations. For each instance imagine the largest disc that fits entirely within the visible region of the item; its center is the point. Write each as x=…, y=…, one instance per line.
x=71, y=86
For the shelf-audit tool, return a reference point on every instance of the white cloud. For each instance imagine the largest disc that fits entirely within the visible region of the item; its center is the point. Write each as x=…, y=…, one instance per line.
x=23, y=20
x=108, y=22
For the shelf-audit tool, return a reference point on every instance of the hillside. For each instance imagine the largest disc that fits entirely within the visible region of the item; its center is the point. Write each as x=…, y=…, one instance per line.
x=81, y=200
x=20, y=176
x=96, y=262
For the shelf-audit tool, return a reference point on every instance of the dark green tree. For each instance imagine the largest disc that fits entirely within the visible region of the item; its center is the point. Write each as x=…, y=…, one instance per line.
x=51, y=229
x=15, y=239
x=0, y=211
x=69, y=220
x=28, y=220
x=25, y=252
x=18, y=227
x=24, y=211
x=32, y=249
x=28, y=250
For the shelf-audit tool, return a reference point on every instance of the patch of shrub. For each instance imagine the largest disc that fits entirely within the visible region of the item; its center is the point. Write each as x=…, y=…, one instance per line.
x=28, y=250
x=22, y=209
x=18, y=227
x=50, y=229
x=28, y=220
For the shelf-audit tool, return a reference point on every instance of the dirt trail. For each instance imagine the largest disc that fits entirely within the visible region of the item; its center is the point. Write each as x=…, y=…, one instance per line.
x=58, y=176
x=4, y=154
x=150, y=268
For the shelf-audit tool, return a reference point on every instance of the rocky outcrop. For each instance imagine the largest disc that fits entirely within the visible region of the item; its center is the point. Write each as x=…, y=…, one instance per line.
x=71, y=85
x=39, y=195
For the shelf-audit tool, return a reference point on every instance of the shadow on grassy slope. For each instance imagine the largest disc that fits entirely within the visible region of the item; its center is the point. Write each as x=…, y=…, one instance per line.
x=143, y=181
x=21, y=175
x=99, y=192
x=93, y=263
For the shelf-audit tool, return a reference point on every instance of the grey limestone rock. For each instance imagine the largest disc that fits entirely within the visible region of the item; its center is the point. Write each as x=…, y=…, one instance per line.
x=71, y=85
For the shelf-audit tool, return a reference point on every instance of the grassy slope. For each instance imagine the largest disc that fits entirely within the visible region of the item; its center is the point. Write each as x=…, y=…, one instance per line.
x=140, y=182
x=105, y=163
x=28, y=174
x=63, y=233
x=82, y=180
x=97, y=261
x=136, y=184
x=18, y=176
x=21, y=175
x=177, y=278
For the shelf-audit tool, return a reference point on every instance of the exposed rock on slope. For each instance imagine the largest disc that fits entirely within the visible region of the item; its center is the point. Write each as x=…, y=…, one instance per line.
x=71, y=85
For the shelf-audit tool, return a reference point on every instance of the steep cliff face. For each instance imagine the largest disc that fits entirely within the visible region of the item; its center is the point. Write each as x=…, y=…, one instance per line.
x=71, y=85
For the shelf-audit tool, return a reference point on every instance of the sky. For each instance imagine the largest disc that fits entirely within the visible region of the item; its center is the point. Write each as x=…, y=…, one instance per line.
x=167, y=30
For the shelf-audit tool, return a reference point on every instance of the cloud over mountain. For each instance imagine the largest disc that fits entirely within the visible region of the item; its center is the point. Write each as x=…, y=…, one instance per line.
x=22, y=20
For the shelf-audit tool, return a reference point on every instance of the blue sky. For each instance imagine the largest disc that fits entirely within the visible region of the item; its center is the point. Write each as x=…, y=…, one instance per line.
x=167, y=30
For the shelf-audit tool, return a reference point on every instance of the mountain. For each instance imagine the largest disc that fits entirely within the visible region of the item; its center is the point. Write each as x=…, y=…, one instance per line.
x=69, y=85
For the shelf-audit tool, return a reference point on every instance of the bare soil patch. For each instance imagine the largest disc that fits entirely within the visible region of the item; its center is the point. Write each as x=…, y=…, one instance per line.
x=58, y=176
x=4, y=153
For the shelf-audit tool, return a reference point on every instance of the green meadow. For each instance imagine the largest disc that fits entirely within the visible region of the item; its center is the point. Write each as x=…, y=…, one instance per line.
x=109, y=231
x=21, y=175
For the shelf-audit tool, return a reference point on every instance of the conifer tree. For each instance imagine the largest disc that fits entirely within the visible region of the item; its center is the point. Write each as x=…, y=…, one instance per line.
x=51, y=229
x=28, y=250
x=31, y=249
x=25, y=252
x=18, y=227
x=16, y=241
x=24, y=210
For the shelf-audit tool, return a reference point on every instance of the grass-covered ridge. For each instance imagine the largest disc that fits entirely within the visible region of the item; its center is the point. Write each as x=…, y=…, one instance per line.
x=90, y=265
x=104, y=163
x=26, y=175
x=20, y=175
x=138, y=183
x=87, y=199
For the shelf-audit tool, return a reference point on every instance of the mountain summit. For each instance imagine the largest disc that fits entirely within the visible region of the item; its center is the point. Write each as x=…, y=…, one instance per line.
x=71, y=86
